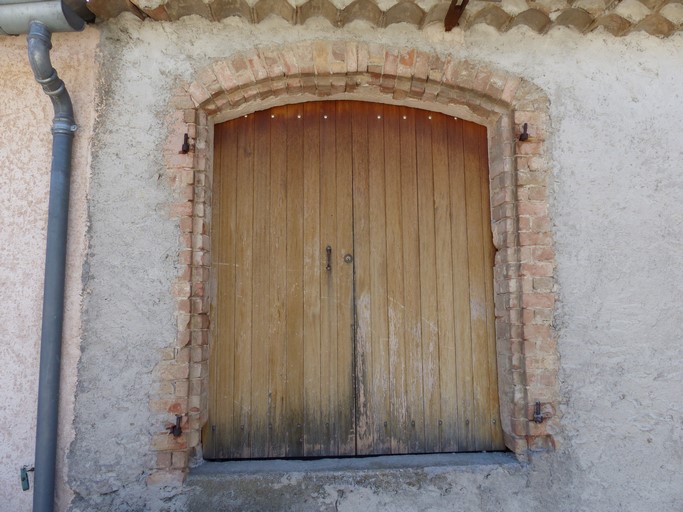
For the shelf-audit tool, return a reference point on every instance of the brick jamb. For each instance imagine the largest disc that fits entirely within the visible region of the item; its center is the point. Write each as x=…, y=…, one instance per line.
x=519, y=171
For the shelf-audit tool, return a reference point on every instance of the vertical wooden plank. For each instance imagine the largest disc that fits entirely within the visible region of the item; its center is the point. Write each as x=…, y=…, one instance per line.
x=395, y=286
x=361, y=242
x=411, y=279
x=260, y=298
x=314, y=262
x=381, y=375
x=209, y=435
x=209, y=439
x=278, y=284
x=328, y=282
x=431, y=384
x=444, y=279
x=295, y=299
x=344, y=275
x=480, y=426
x=224, y=264
x=497, y=442
x=461, y=286
x=243, y=286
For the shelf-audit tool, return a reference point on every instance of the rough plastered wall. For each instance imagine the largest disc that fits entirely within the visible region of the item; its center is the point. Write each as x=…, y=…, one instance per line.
x=616, y=106
x=25, y=151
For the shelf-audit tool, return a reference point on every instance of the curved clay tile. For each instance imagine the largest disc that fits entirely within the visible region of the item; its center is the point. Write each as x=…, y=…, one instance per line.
x=655, y=25
x=176, y=9
x=612, y=23
x=492, y=16
x=157, y=13
x=408, y=12
x=314, y=8
x=672, y=10
x=592, y=7
x=536, y=20
x=653, y=5
x=577, y=19
x=362, y=10
x=106, y=9
x=632, y=10
x=436, y=14
x=222, y=9
x=281, y=8
x=548, y=6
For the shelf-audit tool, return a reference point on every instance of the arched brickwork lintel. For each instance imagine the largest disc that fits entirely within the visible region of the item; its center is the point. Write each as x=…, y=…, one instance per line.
x=524, y=286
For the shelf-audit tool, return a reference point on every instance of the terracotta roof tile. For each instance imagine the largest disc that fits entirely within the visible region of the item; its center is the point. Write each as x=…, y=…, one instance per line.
x=659, y=18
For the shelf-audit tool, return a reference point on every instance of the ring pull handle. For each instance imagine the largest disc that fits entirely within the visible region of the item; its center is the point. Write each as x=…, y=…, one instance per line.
x=328, y=250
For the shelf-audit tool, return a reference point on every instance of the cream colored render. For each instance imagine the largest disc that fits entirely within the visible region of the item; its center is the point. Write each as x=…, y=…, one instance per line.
x=25, y=151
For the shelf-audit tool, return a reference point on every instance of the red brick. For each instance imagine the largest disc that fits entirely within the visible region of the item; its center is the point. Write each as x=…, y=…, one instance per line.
x=531, y=238
x=167, y=442
x=543, y=253
x=537, y=269
x=535, y=209
x=537, y=193
x=180, y=160
x=539, y=300
x=338, y=61
x=198, y=93
x=351, y=57
x=321, y=57
x=536, y=332
x=171, y=371
x=543, y=316
x=171, y=478
x=179, y=460
x=182, y=388
x=511, y=87
x=183, y=338
x=163, y=460
x=271, y=61
x=225, y=76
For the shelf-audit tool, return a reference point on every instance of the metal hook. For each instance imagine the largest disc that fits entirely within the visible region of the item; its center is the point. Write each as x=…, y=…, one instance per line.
x=538, y=417
x=186, y=145
x=175, y=430
x=524, y=135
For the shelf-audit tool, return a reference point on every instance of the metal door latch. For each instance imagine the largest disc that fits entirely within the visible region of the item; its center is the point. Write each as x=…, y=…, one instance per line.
x=538, y=416
x=25, y=484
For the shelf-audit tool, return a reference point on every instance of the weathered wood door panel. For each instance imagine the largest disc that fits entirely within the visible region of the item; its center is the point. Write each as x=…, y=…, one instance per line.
x=353, y=262
x=281, y=376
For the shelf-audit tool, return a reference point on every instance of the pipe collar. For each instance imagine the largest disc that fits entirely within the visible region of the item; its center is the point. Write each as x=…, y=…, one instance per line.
x=16, y=17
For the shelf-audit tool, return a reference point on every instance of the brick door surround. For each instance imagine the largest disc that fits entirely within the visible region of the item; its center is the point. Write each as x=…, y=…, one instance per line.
x=524, y=284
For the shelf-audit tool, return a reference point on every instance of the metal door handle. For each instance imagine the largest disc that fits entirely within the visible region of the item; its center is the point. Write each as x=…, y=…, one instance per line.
x=328, y=250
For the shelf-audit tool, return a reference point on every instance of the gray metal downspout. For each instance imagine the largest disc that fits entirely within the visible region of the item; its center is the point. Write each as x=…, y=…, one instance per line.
x=40, y=18
x=63, y=128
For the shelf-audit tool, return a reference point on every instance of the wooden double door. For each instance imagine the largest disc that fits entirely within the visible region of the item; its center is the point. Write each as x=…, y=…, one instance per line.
x=352, y=262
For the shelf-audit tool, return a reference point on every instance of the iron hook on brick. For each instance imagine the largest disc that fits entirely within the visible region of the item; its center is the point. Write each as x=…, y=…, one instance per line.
x=186, y=145
x=524, y=136
x=538, y=416
x=176, y=430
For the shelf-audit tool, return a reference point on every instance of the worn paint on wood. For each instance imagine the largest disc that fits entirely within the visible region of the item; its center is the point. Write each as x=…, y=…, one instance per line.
x=391, y=350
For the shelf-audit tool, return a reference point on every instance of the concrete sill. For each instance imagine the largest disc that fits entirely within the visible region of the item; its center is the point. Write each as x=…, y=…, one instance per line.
x=449, y=461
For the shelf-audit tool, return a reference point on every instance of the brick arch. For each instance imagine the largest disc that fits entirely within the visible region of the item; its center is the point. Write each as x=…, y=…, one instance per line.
x=519, y=173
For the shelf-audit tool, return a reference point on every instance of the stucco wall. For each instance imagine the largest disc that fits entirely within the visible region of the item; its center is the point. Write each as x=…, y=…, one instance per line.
x=616, y=106
x=25, y=147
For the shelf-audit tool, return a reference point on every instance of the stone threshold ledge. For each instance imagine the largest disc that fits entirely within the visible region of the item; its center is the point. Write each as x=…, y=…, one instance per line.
x=452, y=461
x=453, y=482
